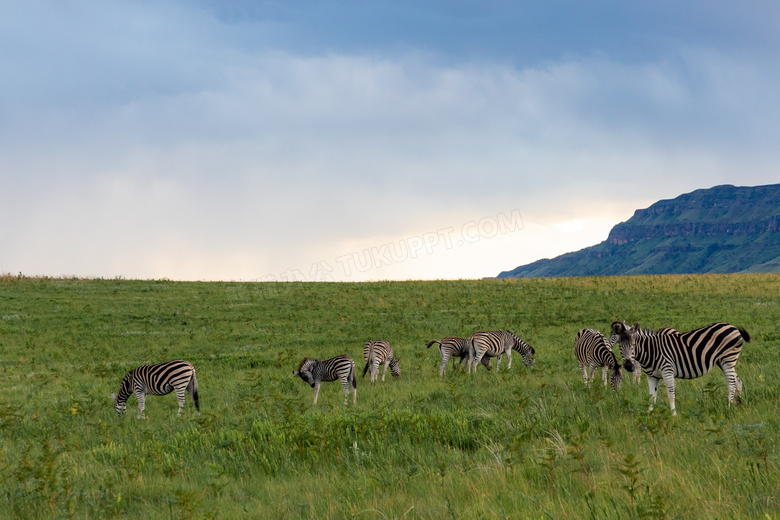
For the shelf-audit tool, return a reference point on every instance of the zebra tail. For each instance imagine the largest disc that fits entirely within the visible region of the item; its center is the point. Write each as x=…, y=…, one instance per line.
x=369, y=359
x=744, y=333
x=432, y=342
x=192, y=387
x=352, y=377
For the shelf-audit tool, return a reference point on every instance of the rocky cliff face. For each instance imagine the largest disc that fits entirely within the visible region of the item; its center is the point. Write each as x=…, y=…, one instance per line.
x=625, y=233
x=720, y=230
x=725, y=210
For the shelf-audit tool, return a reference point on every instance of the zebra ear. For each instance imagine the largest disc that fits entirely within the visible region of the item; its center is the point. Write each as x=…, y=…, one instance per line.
x=636, y=327
x=618, y=327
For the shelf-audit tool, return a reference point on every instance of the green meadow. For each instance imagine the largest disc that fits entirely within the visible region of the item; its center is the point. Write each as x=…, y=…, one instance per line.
x=524, y=443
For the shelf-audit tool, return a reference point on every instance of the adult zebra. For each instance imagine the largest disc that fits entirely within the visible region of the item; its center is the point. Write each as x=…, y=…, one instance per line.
x=591, y=350
x=159, y=379
x=683, y=356
x=614, y=338
x=377, y=353
x=495, y=344
x=340, y=367
x=451, y=346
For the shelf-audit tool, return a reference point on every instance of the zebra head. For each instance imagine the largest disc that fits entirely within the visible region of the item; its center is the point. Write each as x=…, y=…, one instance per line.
x=626, y=337
x=119, y=406
x=395, y=368
x=616, y=377
x=304, y=370
x=120, y=398
x=526, y=351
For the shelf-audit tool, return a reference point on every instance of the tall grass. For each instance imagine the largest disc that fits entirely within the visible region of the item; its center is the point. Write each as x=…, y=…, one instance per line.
x=524, y=443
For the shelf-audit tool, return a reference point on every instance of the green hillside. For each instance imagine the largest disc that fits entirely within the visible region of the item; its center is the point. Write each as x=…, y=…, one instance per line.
x=725, y=229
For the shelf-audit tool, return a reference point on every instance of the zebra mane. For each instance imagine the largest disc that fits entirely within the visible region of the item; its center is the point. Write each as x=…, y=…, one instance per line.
x=305, y=361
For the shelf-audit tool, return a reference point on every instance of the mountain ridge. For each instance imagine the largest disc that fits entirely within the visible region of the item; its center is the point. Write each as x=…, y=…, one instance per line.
x=723, y=229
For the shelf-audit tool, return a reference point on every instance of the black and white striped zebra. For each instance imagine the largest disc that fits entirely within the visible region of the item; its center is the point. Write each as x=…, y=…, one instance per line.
x=377, y=353
x=614, y=338
x=592, y=350
x=450, y=347
x=495, y=344
x=160, y=379
x=686, y=355
x=340, y=367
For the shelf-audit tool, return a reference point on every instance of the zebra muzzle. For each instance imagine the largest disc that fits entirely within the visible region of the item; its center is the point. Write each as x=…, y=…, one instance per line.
x=628, y=365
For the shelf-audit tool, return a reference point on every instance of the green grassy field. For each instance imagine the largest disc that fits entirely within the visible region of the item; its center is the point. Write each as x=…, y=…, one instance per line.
x=509, y=444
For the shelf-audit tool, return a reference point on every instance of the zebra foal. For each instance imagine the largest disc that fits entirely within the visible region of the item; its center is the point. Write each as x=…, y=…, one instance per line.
x=340, y=367
x=160, y=379
x=686, y=355
x=377, y=353
x=495, y=344
x=450, y=347
x=592, y=350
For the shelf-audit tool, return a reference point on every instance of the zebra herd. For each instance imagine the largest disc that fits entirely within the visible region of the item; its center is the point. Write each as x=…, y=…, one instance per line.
x=664, y=354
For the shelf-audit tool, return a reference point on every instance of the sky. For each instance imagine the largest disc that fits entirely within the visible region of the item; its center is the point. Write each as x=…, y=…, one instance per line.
x=363, y=140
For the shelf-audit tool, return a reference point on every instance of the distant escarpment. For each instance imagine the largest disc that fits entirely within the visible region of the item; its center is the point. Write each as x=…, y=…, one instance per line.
x=725, y=229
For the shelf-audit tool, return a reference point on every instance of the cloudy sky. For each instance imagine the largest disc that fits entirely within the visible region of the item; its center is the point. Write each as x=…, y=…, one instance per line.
x=364, y=140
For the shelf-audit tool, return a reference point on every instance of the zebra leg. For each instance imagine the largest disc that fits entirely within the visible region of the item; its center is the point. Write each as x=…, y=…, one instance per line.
x=652, y=383
x=316, y=391
x=508, y=358
x=141, y=404
x=584, y=371
x=180, y=397
x=477, y=361
x=604, y=370
x=384, y=369
x=733, y=382
x=345, y=384
x=591, y=371
x=444, y=359
x=669, y=382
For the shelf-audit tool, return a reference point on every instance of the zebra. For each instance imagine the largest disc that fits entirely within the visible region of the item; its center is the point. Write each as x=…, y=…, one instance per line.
x=159, y=379
x=340, y=367
x=495, y=344
x=683, y=356
x=454, y=347
x=380, y=352
x=592, y=350
x=613, y=340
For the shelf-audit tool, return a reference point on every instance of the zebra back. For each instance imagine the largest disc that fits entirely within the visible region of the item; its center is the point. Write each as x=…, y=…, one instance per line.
x=454, y=346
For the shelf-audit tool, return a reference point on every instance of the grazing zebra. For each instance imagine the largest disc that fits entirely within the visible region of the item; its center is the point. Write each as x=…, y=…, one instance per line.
x=592, y=350
x=160, y=379
x=340, y=367
x=683, y=356
x=380, y=352
x=613, y=340
x=495, y=344
x=454, y=347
